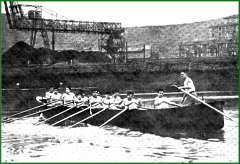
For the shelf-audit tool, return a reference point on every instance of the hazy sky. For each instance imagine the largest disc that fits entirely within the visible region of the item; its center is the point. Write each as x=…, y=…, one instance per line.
x=139, y=13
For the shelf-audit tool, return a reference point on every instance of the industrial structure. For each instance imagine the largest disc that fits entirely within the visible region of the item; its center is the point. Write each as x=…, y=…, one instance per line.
x=223, y=41
x=110, y=34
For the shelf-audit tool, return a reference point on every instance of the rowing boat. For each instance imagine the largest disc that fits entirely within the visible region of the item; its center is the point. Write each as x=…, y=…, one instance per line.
x=199, y=117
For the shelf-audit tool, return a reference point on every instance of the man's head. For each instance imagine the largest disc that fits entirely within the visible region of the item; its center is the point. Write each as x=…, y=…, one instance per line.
x=130, y=95
x=80, y=92
x=95, y=93
x=107, y=94
x=68, y=89
x=55, y=90
x=183, y=75
x=51, y=89
x=83, y=93
x=160, y=92
x=115, y=93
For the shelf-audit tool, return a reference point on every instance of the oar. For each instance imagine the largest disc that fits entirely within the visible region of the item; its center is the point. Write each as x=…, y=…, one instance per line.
x=58, y=114
x=146, y=100
x=147, y=108
x=89, y=117
x=196, y=98
x=113, y=117
x=27, y=110
x=72, y=115
x=34, y=113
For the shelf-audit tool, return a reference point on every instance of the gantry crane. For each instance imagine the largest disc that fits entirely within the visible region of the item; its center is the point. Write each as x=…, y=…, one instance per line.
x=111, y=34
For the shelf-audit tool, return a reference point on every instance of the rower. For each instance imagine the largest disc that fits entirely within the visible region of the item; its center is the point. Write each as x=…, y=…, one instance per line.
x=107, y=100
x=161, y=102
x=116, y=100
x=130, y=102
x=95, y=99
x=82, y=98
x=190, y=88
x=56, y=96
x=49, y=94
x=68, y=96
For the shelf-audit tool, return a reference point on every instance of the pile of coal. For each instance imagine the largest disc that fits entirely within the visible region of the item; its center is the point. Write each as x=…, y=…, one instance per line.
x=22, y=55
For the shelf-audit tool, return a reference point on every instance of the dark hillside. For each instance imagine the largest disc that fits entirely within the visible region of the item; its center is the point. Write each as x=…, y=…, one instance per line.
x=165, y=39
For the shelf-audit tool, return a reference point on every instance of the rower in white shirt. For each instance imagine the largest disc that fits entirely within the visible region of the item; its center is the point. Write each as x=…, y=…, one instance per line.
x=49, y=94
x=107, y=100
x=82, y=98
x=117, y=101
x=56, y=97
x=95, y=99
x=130, y=102
x=161, y=102
x=68, y=96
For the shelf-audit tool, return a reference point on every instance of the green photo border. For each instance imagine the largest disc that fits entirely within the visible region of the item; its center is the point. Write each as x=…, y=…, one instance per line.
x=118, y=1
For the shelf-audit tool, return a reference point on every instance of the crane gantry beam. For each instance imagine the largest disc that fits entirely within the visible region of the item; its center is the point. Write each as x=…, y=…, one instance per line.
x=110, y=39
x=67, y=26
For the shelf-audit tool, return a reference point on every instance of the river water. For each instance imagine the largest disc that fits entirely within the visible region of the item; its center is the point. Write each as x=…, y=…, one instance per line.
x=22, y=141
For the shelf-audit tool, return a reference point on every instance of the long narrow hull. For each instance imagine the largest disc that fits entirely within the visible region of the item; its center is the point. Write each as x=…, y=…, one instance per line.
x=190, y=117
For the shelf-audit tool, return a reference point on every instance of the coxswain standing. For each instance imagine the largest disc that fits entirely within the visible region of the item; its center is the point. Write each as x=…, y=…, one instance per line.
x=189, y=87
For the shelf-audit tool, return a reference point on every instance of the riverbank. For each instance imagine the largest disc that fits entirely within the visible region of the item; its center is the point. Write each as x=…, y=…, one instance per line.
x=140, y=81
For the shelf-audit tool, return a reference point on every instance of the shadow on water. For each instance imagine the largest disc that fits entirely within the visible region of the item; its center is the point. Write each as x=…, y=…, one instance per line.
x=214, y=135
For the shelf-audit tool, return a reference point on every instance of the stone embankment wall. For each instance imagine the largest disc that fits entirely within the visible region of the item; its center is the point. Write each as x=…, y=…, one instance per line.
x=212, y=74
x=170, y=65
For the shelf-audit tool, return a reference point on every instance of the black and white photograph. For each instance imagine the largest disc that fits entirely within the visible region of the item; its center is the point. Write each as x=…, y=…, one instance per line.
x=120, y=81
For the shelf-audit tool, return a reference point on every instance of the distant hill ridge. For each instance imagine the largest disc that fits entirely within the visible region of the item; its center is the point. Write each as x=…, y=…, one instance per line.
x=164, y=39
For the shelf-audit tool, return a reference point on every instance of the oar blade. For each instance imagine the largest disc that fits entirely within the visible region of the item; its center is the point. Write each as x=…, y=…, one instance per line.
x=36, y=107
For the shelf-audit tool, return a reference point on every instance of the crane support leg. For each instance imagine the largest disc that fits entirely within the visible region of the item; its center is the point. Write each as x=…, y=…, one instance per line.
x=33, y=37
x=45, y=39
x=53, y=40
